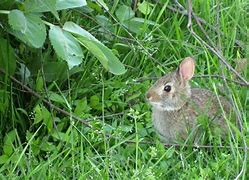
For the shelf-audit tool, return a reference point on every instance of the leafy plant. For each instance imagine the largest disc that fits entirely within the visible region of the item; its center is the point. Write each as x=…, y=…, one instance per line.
x=64, y=114
x=126, y=16
x=29, y=27
x=7, y=56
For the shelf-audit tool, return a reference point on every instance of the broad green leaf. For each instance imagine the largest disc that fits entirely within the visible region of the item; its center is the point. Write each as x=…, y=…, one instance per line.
x=17, y=20
x=94, y=101
x=61, y=136
x=81, y=107
x=3, y=159
x=47, y=118
x=41, y=6
x=10, y=137
x=136, y=25
x=56, y=98
x=38, y=114
x=76, y=70
x=126, y=128
x=35, y=33
x=105, y=22
x=39, y=83
x=104, y=54
x=8, y=149
x=42, y=114
x=67, y=4
x=8, y=142
x=144, y=21
x=7, y=57
x=144, y=7
x=47, y=146
x=124, y=13
x=52, y=5
x=66, y=46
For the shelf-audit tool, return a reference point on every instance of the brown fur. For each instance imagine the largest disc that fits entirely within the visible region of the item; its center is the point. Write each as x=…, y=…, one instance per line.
x=175, y=113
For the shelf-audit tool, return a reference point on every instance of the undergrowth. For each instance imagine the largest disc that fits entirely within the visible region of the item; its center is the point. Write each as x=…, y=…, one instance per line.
x=37, y=141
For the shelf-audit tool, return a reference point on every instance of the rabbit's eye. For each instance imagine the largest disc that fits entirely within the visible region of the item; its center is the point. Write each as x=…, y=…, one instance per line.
x=167, y=88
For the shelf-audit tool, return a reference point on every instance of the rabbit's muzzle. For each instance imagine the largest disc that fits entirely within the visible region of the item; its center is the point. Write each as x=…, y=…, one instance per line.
x=152, y=96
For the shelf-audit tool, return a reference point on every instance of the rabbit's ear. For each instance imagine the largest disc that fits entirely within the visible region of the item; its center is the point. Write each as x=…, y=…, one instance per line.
x=187, y=68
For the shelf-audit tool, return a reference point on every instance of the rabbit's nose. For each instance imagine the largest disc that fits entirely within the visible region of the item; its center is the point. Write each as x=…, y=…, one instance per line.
x=149, y=95
x=152, y=96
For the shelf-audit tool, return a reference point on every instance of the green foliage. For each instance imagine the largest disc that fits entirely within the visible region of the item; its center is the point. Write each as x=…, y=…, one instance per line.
x=124, y=13
x=7, y=57
x=65, y=46
x=145, y=7
x=33, y=30
x=52, y=5
x=70, y=51
x=126, y=16
x=9, y=139
x=7, y=4
x=18, y=20
x=105, y=55
x=30, y=28
x=42, y=114
x=55, y=71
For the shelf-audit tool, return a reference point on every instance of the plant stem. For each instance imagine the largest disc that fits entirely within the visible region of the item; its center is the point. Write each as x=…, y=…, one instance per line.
x=4, y=12
x=47, y=23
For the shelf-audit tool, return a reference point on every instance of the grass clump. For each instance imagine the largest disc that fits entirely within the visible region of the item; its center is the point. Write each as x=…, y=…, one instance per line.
x=37, y=141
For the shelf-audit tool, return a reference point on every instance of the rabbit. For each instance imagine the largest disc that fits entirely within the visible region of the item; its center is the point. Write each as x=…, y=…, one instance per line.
x=176, y=106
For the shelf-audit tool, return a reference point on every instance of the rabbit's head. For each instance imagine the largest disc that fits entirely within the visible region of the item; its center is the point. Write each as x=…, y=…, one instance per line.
x=172, y=91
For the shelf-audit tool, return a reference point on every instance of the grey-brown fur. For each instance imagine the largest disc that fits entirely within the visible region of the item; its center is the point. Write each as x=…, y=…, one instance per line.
x=175, y=113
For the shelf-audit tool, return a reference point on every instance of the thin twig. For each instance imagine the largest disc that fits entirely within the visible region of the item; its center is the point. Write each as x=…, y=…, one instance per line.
x=136, y=40
x=188, y=146
x=106, y=30
x=220, y=77
x=239, y=118
x=197, y=76
x=88, y=125
x=106, y=116
x=46, y=101
x=214, y=49
x=46, y=92
x=134, y=5
x=190, y=10
x=223, y=62
x=221, y=57
x=181, y=10
x=52, y=106
x=217, y=51
x=184, y=12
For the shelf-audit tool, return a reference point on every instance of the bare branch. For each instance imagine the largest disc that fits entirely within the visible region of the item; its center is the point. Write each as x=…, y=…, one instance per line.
x=52, y=106
x=190, y=11
x=184, y=12
x=188, y=146
x=213, y=49
x=142, y=79
x=220, y=77
x=223, y=62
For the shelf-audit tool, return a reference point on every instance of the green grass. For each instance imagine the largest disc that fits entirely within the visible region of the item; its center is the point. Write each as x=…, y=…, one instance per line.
x=59, y=147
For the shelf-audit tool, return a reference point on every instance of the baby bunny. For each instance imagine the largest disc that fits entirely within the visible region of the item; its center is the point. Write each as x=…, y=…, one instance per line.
x=176, y=107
